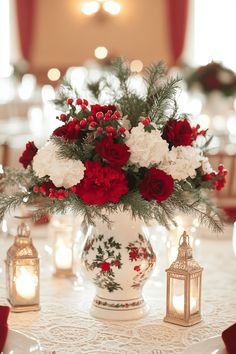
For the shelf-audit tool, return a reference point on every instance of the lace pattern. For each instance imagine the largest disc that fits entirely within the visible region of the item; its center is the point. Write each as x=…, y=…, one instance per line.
x=64, y=324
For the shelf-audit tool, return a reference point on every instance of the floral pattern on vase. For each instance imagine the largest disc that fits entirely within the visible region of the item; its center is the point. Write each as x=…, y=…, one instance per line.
x=118, y=260
x=107, y=257
x=141, y=253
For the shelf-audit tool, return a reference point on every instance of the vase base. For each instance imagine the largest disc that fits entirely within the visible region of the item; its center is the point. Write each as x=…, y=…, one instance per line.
x=119, y=310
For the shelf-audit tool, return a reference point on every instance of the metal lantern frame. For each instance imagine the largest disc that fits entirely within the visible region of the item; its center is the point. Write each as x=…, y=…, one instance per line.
x=22, y=256
x=186, y=269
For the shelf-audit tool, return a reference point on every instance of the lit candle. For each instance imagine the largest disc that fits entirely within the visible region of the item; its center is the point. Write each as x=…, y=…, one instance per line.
x=26, y=283
x=178, y=303
x=63, y=257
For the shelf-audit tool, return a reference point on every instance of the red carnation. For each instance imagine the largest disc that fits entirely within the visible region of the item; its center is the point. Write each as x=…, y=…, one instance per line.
x=115, y=154
x=28, y=155
x=178, y=132
x=157, y=185
x=134, y=253
x=95, y=108
x=69, y=131
x=101, y=184
x=105, y=266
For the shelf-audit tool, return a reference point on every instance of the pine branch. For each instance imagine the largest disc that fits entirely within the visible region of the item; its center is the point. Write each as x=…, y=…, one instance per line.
x=122, y=72
x=163, y=101
x=65, y=91
x=153, y=74
x=10, y=202
x=94, y=88
x=67, y=150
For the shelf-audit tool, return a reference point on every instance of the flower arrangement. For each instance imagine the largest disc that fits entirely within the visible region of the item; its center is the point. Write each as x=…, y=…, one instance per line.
x=137, y=153
x=213, y=76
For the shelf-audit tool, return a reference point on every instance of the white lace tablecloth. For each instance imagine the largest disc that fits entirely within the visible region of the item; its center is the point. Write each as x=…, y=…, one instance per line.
x=64, y=324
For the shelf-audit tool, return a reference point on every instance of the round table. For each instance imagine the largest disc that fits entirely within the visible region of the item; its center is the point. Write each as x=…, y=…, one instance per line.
x=64, y=324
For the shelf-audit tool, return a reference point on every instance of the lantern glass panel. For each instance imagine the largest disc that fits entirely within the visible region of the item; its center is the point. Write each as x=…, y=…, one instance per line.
x=194, y=294
x=26, y=282
x=177, y=296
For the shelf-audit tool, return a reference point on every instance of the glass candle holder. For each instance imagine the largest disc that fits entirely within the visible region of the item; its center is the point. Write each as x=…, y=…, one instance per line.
x=22, y=272
x=63, y=231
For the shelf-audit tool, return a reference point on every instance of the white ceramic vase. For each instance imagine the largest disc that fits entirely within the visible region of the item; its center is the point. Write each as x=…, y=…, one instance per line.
x=118, y=260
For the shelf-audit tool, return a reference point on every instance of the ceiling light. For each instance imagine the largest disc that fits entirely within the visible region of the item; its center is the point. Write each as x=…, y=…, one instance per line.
x=90, y=7
x=112, y=7
x=54, y=74
x=101, y=52
x=136, y=66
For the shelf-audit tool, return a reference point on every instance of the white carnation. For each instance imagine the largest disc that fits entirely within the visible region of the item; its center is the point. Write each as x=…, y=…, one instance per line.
x=62, y=172
x=146, y=149
x=206, y=166
x=182, y=162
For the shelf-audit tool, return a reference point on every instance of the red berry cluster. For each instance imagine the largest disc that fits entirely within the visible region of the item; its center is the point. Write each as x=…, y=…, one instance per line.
x=146, y=121
x=218, y=179
x=79, y=101
x=58, y=194
x=102, y=120
x=52, y=193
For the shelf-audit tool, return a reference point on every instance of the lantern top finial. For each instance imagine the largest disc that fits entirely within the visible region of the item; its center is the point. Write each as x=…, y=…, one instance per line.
x=22, y=246
x=23, y=230
x=185, y=260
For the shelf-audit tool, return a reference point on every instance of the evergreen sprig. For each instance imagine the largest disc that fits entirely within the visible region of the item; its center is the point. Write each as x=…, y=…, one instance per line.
x=159, y=103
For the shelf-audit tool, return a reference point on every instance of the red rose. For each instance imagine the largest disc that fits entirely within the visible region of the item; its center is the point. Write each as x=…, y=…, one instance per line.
x=95, y=108
x=134, y=253
x=105, y=266
x=157, y=185
x=69, y=131
x=178, y=132
x=116, y=262
x=101, y=184
x=28, y=155
x=115, y=154
x=137, y=268
x=211, y=82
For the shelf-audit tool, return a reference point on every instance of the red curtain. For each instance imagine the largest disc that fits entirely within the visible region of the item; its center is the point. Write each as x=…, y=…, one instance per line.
x=177, y=12
x=25, y=10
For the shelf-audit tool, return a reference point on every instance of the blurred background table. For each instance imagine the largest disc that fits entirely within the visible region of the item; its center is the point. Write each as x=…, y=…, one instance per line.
x=65, y=325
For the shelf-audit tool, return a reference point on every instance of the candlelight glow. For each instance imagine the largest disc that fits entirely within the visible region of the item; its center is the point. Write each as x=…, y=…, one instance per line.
x=26, y=282
x=63, y=256
x=178, y=303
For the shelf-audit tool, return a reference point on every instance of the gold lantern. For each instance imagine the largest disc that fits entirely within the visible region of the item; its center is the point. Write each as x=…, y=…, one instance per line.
x=22, y=272
x=184, y=287
x=63, y=237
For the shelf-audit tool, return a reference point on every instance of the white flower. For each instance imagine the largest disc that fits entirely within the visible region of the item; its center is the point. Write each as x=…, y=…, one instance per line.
x=225, y=77
x=146, y=148
x=125, y=122
x=206, y=166
x=182, y=162
x=62, y=172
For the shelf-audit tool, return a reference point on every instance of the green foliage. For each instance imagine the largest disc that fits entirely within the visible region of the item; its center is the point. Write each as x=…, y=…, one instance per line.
x=159, y=103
